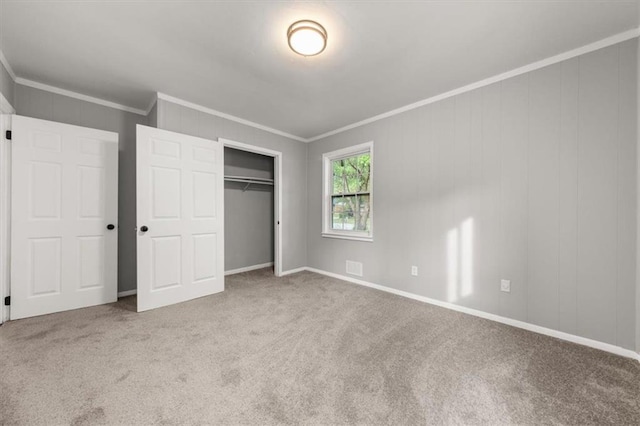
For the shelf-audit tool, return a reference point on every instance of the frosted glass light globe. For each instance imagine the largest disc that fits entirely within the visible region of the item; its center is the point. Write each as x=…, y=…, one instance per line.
x=307, y=38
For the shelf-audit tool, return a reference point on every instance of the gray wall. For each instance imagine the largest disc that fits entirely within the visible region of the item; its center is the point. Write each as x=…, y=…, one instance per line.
x=36, y=103
x=294, y=188
x=248, y=220
x=7, y=87
x=543, y=163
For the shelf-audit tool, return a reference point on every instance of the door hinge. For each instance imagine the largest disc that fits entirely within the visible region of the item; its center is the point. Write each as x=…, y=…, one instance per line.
x=7, y=301
x=8, y=135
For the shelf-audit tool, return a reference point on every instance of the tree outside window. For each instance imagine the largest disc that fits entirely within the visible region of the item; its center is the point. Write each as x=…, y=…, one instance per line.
x=350, y=208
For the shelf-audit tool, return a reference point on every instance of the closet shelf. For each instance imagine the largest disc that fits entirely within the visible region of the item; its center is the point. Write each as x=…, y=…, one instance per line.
x=249, y=180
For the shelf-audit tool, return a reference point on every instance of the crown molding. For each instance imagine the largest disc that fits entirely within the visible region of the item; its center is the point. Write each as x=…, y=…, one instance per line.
x=5, y=63
x=154, y=100
x=68, y=93
x=75, y=95
x=230, y=117
x=600, y=44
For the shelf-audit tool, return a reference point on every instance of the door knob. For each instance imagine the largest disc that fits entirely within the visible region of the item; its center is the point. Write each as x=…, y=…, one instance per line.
x=144, y=228
x=110, y=226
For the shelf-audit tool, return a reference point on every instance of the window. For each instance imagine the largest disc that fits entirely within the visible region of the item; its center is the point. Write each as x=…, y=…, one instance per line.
x=348, y=199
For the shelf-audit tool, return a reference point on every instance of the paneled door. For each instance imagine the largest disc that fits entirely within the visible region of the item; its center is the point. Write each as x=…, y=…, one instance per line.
x=64, y=212
x=180, y=217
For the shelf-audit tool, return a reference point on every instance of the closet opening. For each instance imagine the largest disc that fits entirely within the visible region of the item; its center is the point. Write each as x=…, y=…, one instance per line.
x=252, y=203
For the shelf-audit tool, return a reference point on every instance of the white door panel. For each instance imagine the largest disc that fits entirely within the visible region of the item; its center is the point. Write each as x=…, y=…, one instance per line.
x=180, y=182
x=64, y=194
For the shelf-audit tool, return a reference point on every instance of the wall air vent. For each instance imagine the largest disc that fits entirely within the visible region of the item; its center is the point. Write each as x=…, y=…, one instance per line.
x=354, y=268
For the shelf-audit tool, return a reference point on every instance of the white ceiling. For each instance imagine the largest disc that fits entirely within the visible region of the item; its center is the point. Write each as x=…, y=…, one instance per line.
x=232, y=56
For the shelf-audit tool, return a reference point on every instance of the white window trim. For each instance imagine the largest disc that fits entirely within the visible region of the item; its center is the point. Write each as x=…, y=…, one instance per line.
x=327, y=158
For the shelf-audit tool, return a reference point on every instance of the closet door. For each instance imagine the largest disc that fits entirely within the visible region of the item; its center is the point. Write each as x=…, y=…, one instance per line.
x=64, y=212
x=180, y=217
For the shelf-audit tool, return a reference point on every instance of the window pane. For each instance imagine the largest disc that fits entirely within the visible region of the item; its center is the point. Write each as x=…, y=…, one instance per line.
x=352, y=174
x=342, y=212
x=338, y=176
x=337, y=212
x=342, y=177
x=363, y=213
x=363, y=167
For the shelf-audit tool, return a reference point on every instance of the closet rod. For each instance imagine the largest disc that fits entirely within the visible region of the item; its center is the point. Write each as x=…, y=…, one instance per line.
x=249, y=180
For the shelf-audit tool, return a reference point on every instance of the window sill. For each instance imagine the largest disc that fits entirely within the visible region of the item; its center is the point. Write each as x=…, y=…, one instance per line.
x=347, y=237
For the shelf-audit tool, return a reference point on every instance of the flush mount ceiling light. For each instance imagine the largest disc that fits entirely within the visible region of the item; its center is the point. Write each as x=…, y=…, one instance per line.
x=307, y=38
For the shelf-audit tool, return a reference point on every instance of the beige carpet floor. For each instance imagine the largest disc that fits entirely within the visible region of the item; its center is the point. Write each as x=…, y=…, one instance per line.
x=302, y=349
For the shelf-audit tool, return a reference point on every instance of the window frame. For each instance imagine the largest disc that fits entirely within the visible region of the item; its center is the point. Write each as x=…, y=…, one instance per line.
x=327, y=185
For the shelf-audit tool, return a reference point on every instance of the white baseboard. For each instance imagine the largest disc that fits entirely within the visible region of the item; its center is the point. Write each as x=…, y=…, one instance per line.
x=293, y=271
x=127, y=293
x=248, y=268
x=515, y=323
x=607, y=347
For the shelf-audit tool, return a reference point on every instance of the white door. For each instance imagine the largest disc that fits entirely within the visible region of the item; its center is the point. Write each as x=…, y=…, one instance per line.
x=64, y=211
x=180, y=221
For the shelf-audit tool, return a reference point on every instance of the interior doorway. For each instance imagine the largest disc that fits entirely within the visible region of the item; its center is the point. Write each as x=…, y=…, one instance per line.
x=253, y=177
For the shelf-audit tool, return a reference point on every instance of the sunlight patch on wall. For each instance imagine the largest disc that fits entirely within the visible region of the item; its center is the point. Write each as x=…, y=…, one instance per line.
x=460, y=261
x=452, y=265
x=467, y=257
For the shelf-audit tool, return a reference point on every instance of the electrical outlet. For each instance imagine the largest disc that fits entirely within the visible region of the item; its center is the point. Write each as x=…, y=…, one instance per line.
x=505, y=285
x=414, y=271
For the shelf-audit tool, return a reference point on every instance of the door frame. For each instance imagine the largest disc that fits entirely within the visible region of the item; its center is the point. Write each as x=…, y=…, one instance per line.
x=6, y=110
x=5, y=214
x=277, y=194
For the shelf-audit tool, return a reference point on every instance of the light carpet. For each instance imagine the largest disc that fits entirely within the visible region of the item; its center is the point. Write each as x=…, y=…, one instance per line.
x=302, y=349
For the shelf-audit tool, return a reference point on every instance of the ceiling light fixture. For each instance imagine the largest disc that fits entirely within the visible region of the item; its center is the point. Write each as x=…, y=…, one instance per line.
x=307, y=38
